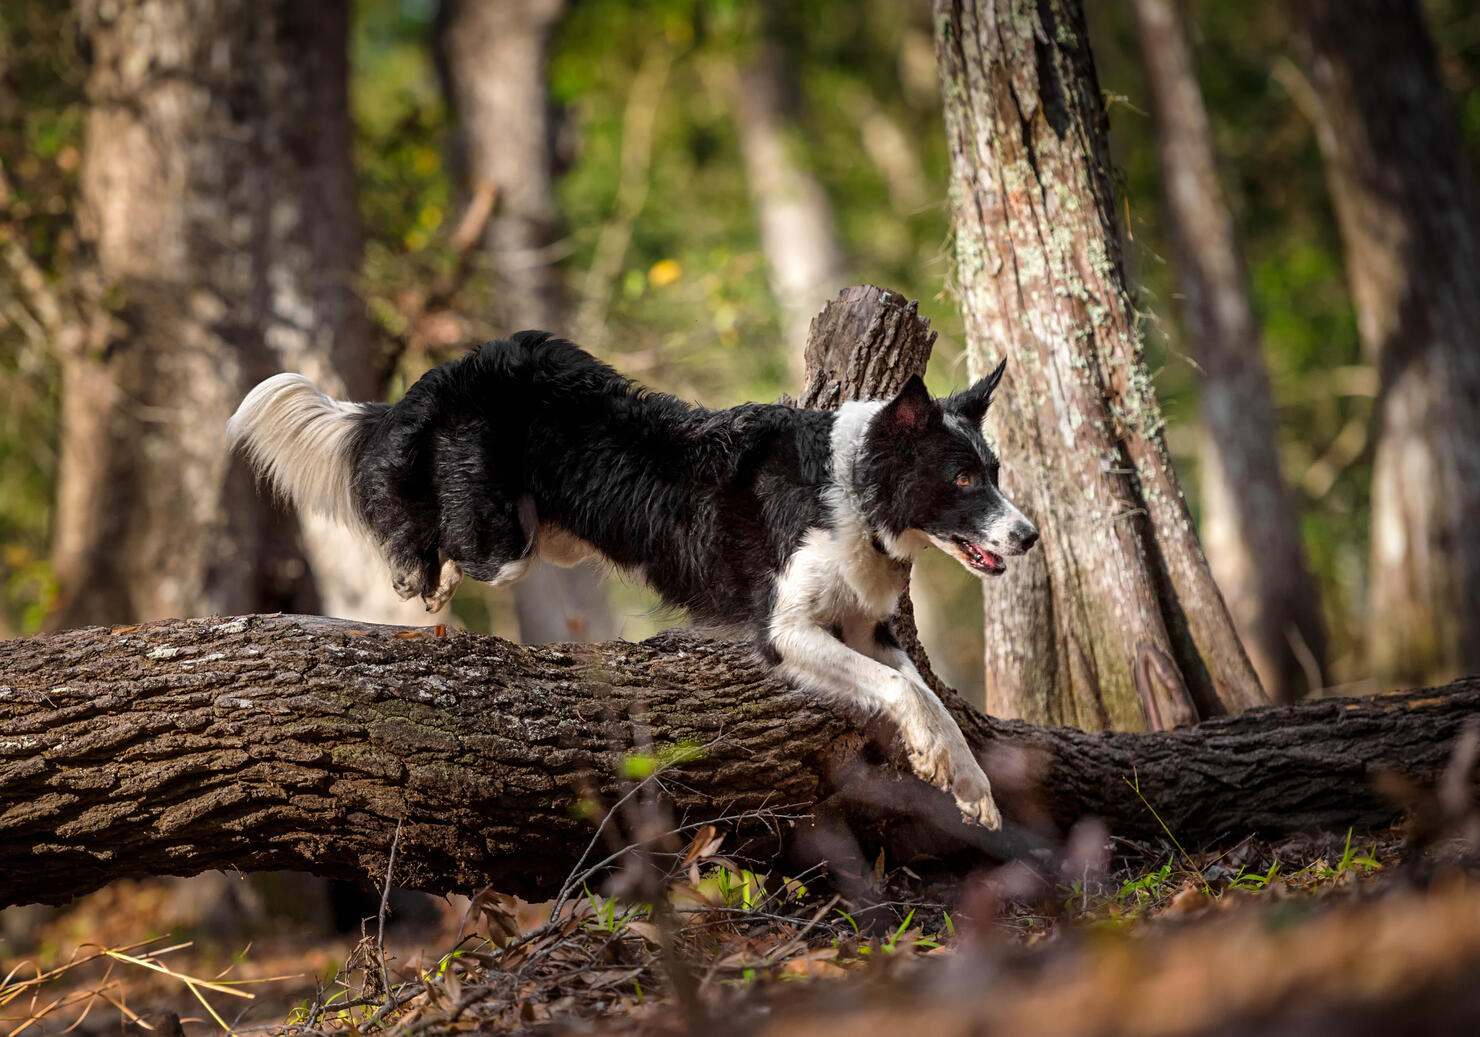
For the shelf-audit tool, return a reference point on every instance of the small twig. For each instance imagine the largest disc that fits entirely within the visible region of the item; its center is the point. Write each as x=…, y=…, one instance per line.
x=385, y=898
x=570, y=883
x=474, y=218
x=1136, y=788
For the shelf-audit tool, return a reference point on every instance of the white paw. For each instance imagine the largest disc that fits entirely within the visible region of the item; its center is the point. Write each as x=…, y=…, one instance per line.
x=447, y=581
x=974, y=796
x=956, y=770
x=405, y=583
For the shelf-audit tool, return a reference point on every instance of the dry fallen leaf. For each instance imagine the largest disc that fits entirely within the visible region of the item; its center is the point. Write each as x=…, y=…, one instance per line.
x=1188, y=900
x=814, y=968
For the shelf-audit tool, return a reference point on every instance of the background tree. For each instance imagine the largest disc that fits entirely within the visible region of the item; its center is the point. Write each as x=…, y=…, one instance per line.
x=1116, y=621
x=1249, y=525
x=492, y=60
x=1405, y=199
x=217, y=192
x=791, y=206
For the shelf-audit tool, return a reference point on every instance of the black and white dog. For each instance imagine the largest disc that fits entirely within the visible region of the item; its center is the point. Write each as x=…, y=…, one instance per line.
x=799, y=525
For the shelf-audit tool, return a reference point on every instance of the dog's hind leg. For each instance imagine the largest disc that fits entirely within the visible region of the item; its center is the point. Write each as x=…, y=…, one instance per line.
x=448, y=579
x=491, y=540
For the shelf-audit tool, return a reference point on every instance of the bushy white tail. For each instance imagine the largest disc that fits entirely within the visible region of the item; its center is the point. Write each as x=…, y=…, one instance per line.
x=303, y=443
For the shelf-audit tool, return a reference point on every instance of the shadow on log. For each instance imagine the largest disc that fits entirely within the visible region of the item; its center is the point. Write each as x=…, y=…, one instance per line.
x=271, y=742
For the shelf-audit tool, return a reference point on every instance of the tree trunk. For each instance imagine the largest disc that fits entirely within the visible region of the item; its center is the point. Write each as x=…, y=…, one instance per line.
x=492, y=59
x=1116, y=621
x=218, y=191
x=1249, y=525
x=1406, y=204
x=292, y=742
x=791, y=207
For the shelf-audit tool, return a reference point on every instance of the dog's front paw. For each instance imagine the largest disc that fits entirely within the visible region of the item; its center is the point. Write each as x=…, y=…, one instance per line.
x=962, y=777
x=974, y=796
x=407, y=583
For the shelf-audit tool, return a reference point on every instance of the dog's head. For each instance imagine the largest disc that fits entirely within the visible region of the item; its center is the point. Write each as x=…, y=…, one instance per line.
x=927, y=471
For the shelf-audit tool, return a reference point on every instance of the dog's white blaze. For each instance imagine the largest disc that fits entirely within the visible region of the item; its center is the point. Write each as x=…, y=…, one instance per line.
x=811, y=599
x=999, y=532
x=300, y=441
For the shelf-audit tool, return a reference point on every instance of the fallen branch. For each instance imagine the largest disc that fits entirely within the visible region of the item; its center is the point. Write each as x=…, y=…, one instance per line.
x=295, y=742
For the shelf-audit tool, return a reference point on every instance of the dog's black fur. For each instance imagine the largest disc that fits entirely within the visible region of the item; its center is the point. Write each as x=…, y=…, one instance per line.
x=789, y=522
x=708, y=504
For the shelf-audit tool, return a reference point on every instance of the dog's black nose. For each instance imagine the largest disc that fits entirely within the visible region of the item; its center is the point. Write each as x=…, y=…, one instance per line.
x=1026, y=536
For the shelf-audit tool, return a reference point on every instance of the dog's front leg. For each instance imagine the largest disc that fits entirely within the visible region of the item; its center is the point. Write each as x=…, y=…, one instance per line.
x=937, y=750
x=971, y=784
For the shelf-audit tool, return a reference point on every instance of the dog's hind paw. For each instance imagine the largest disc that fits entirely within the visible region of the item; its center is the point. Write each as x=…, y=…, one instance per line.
x=406, y=585
x=447, y=582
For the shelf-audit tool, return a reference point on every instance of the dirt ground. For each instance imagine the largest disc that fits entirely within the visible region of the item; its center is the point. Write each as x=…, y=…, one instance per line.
x=1328, y=932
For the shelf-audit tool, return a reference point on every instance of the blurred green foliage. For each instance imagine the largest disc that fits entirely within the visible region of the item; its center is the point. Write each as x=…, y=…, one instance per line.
x=40, y=133
x=690, y=309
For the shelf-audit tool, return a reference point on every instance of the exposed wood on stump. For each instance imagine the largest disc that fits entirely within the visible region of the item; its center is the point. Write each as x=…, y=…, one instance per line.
x=1115, y=621
x=294, y=742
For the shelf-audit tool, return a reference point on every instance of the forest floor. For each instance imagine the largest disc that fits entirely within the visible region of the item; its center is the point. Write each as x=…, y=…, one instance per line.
x=1338, y=933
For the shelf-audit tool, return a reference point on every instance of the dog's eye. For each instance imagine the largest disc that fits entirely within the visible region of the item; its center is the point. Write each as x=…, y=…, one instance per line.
x=965, y=480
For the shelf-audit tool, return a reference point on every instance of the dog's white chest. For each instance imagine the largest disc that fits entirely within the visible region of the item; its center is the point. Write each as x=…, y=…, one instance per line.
x=836, y=576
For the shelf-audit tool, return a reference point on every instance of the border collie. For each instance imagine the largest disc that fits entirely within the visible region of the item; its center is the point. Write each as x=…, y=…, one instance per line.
x=799, y=525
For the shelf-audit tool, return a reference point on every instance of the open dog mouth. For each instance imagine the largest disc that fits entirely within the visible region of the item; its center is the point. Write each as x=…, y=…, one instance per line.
x=978, y=557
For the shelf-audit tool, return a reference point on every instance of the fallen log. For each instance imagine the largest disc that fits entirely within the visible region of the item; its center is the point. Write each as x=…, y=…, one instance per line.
x=268, y=742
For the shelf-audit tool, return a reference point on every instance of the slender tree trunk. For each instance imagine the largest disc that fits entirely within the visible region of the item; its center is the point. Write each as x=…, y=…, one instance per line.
x=218, y=191
x=1249, y=524
x=1406, y=203
x=1116, y=621
x=273, y=742
x=492, y=57
x=793, y=211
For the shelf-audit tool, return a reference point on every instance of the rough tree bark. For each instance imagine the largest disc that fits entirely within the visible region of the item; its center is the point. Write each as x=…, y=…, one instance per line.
x=218, y=191
x=1250, y=529
x=1116, y=621
x=292, y=742
x=1405, y=200
x=492, y=60
x=792, y=209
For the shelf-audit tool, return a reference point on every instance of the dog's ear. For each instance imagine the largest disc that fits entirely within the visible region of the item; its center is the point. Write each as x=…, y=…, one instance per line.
x=911, y=411
x=972, y=403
